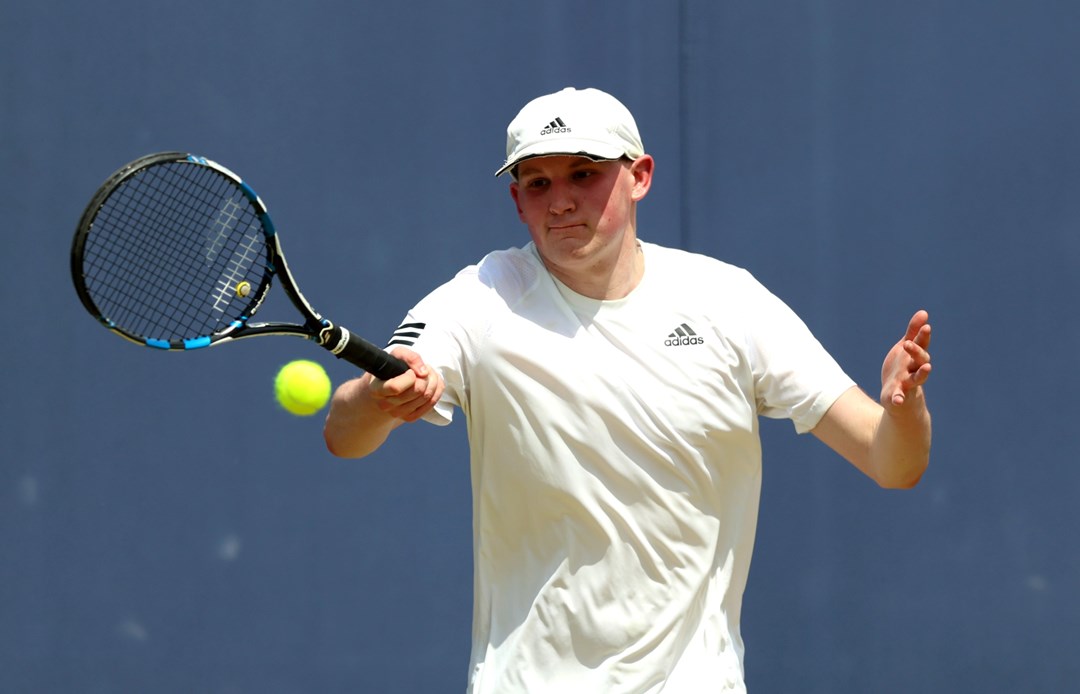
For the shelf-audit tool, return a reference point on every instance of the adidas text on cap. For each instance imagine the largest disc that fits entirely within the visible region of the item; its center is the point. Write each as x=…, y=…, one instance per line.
x=582, y=122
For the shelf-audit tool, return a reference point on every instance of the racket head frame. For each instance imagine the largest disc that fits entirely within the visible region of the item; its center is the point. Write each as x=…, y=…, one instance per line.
x=241, y=326
x=335, y=339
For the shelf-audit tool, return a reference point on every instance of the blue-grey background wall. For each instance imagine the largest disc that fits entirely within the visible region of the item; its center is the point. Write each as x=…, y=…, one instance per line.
x=164, y=527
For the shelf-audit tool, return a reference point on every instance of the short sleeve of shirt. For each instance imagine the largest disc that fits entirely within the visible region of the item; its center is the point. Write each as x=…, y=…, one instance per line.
x=433, y=329
x=794, y=376
x=447, y=327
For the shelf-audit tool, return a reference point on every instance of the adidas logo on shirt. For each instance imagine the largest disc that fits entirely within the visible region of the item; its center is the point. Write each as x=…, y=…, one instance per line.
x=555, y=126
x=683, y=335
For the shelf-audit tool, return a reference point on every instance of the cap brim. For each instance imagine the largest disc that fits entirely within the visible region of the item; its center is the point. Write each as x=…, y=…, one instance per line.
x=567, y=148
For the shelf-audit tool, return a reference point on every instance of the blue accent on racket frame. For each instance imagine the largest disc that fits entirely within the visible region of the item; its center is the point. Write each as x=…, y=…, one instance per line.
x=268, y=226
x=194, y=343
x=249, y=192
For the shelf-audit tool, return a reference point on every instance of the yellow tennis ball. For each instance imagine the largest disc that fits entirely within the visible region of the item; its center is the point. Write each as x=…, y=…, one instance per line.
x=302, y=387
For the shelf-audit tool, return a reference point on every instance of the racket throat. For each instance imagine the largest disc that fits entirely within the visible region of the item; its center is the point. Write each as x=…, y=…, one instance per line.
x=331, y=337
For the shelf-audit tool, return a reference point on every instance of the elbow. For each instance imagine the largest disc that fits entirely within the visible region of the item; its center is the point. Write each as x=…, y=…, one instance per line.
x=349, y=441
x=341, y=447
x=903, y=483
x=903, y=478
x=333, y=449
x=333, y=446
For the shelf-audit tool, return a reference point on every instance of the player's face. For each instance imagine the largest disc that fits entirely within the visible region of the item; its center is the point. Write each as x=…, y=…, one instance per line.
x=580, y=213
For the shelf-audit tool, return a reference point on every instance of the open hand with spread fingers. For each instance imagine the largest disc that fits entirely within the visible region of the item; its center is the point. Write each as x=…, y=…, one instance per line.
x=907, y=366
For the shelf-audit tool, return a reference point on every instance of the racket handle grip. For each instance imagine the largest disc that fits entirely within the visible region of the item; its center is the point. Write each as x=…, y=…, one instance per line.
x=359, y=352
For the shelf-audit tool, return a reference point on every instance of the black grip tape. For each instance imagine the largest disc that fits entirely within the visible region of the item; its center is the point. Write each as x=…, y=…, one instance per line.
x=359, y=352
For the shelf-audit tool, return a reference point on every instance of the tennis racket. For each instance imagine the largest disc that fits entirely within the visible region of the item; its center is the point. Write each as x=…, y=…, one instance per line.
x=176, y=252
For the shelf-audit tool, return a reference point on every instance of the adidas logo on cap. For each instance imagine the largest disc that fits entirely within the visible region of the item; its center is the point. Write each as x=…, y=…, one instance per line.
x=554, y=127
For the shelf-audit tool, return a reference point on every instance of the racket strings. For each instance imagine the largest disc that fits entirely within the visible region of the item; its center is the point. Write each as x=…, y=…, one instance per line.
x=176, y=252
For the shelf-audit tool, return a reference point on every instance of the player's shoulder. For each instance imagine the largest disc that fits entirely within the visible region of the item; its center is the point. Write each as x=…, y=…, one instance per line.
x=501, y=276
x=695, y=269
x=508, y=274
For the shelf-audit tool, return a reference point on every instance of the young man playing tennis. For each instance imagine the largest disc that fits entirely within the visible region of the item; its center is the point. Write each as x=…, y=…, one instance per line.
x=612, y=389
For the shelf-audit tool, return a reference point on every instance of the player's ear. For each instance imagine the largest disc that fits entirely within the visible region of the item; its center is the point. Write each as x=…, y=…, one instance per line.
x=514, y=193
x=642, y=170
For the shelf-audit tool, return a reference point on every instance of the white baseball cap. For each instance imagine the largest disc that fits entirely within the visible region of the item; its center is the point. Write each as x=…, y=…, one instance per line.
x=581, y=122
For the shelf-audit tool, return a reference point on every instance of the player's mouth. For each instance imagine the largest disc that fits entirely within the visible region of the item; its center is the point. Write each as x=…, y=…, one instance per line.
x=565, y=227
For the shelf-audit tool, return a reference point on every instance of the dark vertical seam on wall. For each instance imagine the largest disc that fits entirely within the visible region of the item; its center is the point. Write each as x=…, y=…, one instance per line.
x=684, y=153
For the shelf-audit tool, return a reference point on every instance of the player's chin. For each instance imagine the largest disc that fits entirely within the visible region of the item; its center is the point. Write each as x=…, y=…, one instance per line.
x=570, y=246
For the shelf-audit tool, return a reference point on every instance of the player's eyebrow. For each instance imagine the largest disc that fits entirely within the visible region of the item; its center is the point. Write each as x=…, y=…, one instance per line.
x=524, y=167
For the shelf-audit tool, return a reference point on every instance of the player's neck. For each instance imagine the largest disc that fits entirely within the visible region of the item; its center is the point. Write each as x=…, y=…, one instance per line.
x=606, y=281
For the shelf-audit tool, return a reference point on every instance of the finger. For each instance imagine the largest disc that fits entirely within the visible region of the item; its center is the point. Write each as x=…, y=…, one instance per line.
x=414, y=361
x=899, y=395
x=394, y=388
x=409, y=412
x=434, y=388
x=414, y=409
x=923, y=337
x=406, y=398
x=421, y=393
x=922, y=375
x=918, y=355
x=899, y=392
x=915, y=380
x=916, y=324
x=401, y=408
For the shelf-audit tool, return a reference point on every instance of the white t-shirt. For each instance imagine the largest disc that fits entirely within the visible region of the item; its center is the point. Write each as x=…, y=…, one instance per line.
x=616, y=463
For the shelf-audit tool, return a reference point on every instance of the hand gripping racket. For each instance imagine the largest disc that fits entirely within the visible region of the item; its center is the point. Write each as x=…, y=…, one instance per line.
x=176, y=252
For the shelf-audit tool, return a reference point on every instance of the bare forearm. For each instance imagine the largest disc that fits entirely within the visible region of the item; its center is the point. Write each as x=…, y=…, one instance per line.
x=900, y=449
x=890, y=447
x=365, y=410
x=355, y=426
